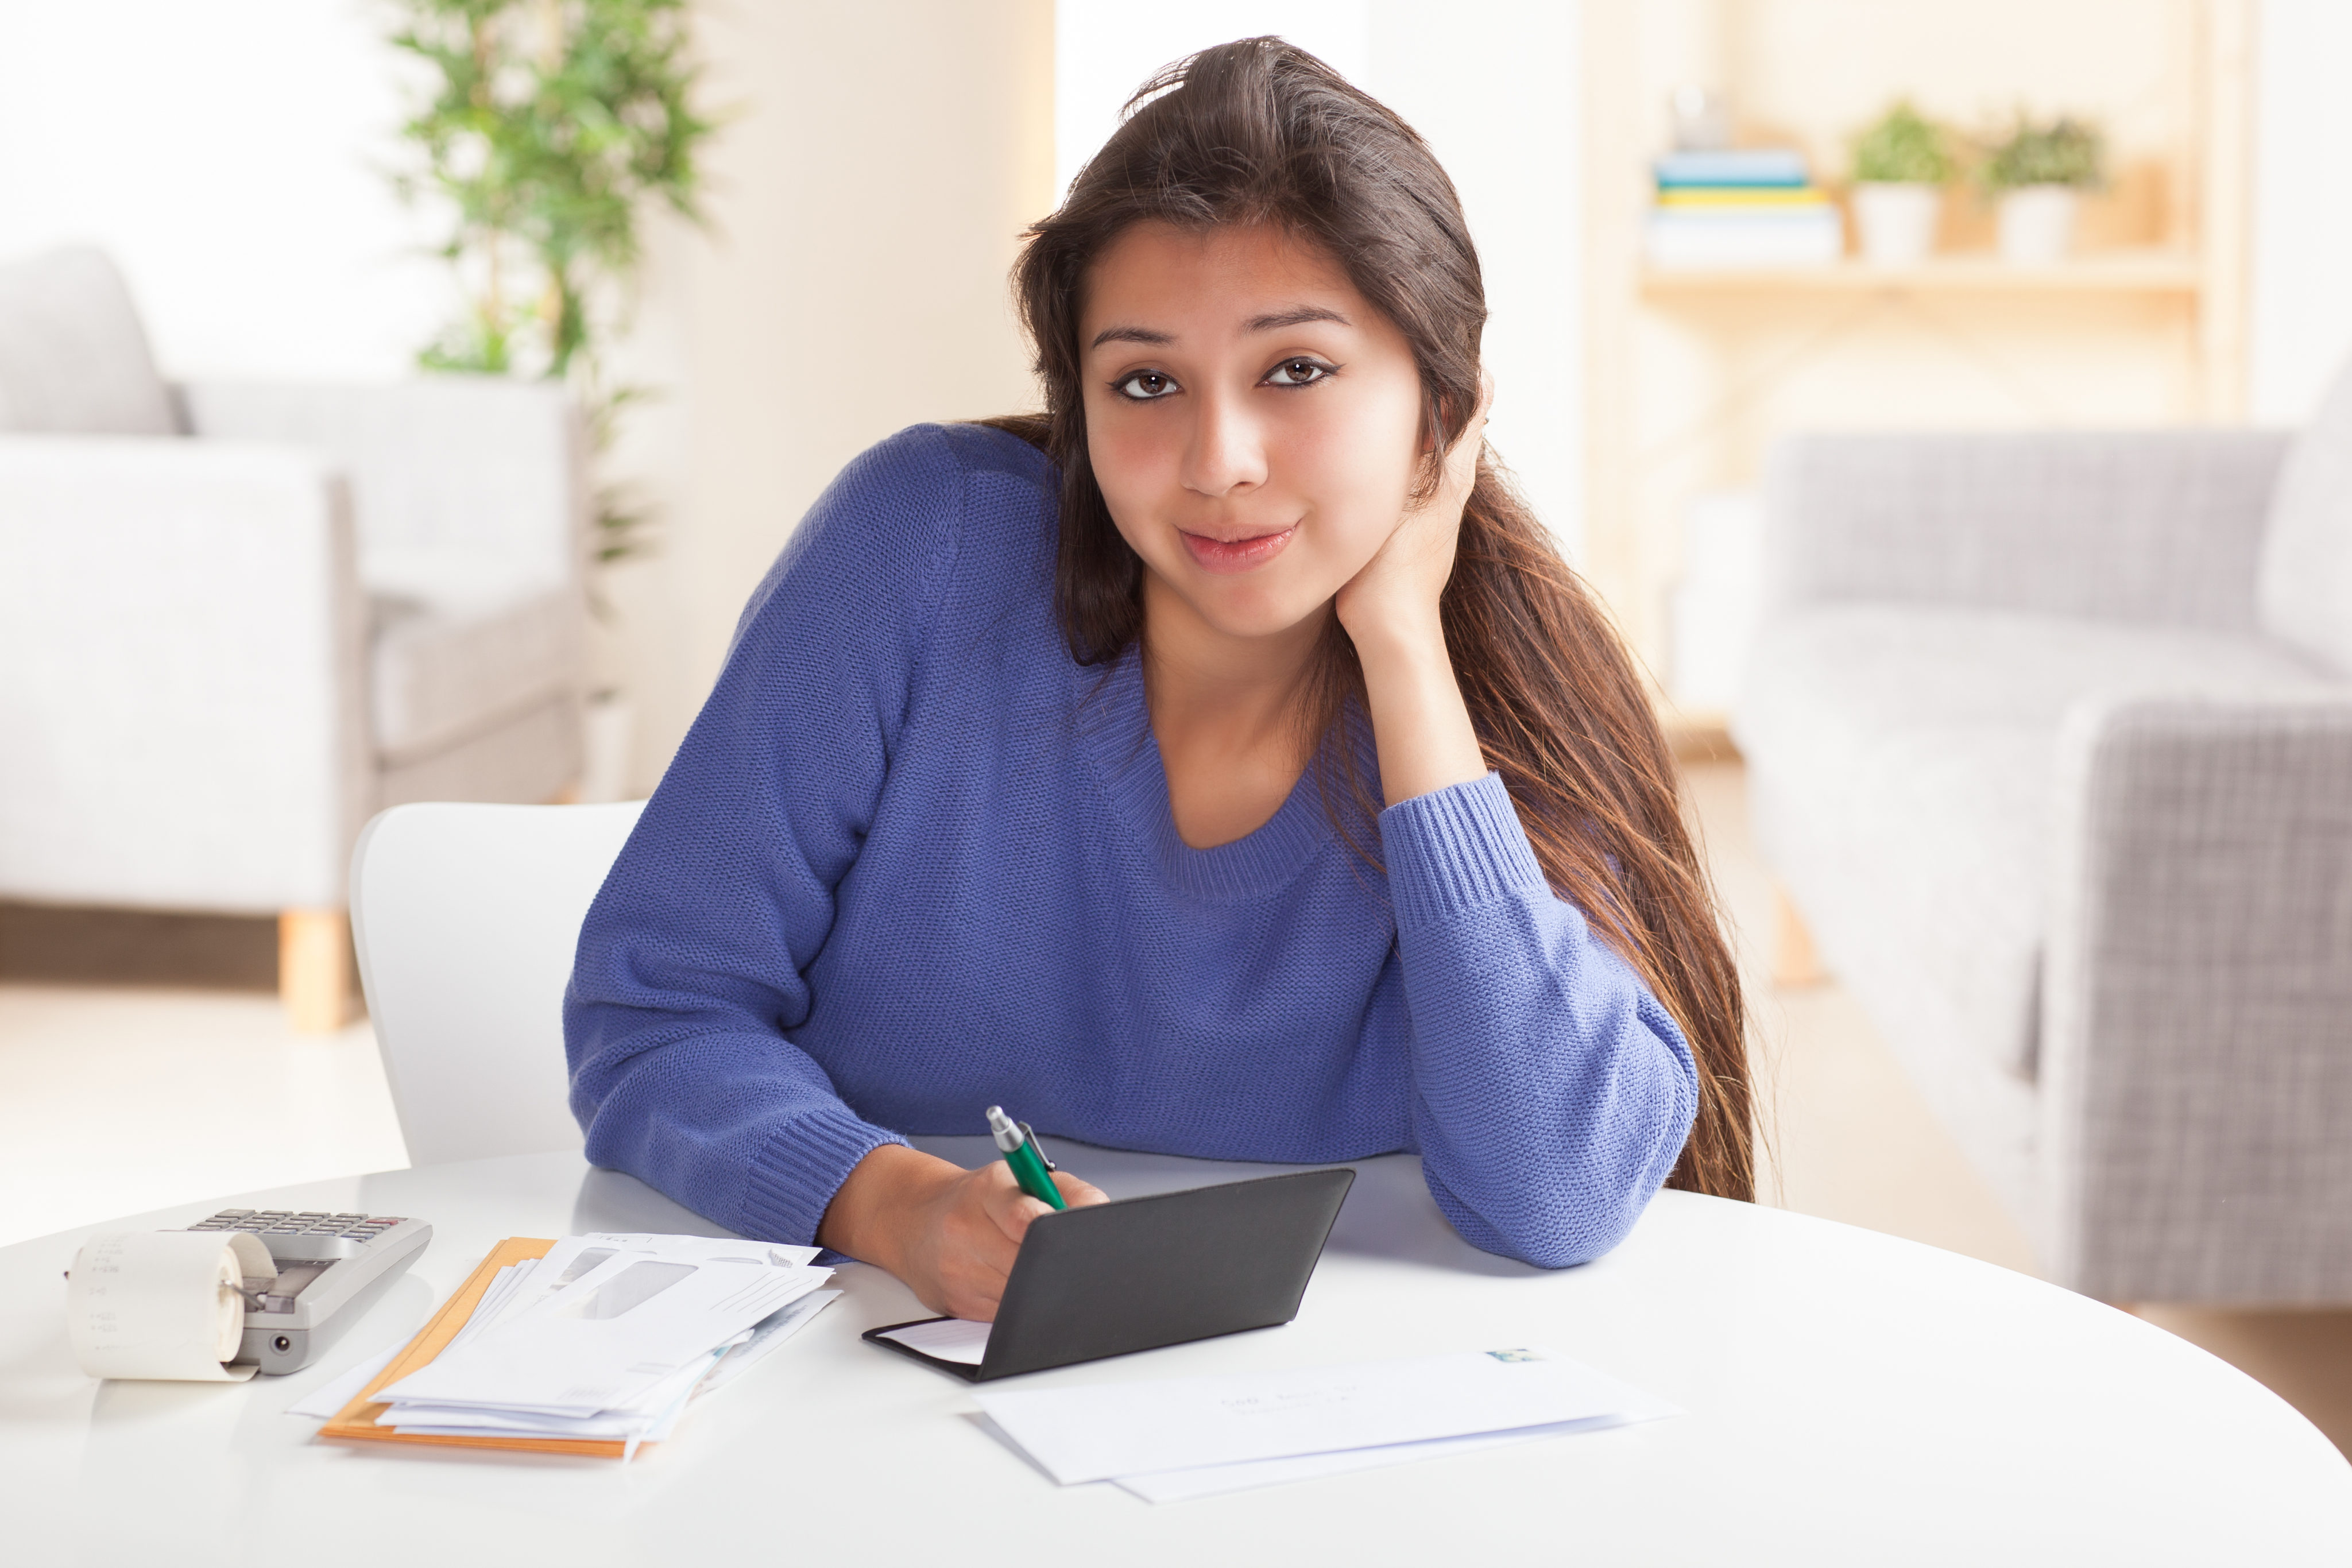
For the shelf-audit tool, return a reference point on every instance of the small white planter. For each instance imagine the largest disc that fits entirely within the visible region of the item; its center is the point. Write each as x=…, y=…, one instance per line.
x=2037, y=225
x=1897, y=221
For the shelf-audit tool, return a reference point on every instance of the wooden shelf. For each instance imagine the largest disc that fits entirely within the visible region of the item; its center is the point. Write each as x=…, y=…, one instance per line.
x=1692, y=374
x=2119, y=272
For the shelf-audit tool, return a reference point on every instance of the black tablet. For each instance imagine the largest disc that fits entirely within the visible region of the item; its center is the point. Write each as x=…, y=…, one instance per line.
x=1147, y=1272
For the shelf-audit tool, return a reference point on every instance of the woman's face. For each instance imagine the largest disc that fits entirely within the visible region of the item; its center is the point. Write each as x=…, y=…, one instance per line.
x=1253, y=420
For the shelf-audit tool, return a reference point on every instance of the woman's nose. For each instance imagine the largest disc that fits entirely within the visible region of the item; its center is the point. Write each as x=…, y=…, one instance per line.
x=1226, y=451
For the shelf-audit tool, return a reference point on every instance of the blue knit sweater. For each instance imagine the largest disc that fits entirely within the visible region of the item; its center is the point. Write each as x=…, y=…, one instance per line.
x=912, y=860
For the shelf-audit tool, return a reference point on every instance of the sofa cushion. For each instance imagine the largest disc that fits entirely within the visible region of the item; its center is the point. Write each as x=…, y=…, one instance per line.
x=1910, y=750
x=2304, y=592
x=73, y=360
x=442, y=675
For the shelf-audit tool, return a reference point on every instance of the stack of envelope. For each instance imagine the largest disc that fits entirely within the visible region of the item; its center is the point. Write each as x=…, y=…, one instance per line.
x=610, y=1337
x=1195, y=1437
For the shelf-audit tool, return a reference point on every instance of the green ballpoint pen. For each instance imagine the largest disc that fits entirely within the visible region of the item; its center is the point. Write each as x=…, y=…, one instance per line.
x=1028, y=1166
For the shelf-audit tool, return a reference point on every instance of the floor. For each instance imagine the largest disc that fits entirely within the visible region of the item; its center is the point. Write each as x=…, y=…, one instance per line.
x=144, y=1062
x=118, y=1099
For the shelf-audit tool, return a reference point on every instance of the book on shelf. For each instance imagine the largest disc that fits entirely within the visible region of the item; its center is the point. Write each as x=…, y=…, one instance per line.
x=1797, y=237
x=1739, y=198
x=1743, y=208
x=1747, y=166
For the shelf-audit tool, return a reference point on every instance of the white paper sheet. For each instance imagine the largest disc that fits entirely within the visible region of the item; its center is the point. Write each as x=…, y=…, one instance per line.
x=1101, y=1431
x=1208, y=1480
x=523, y=1286
x=503, y=1287
x=765, y=1336
x=950, y=1339
x=664, y=1399
x=606, y=1341
x=163, y=1303
x=657, y=1414
x=709, y=1249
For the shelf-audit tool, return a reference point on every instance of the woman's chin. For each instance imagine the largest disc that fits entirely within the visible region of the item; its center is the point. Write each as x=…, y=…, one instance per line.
x=1252, y=606
x=1253, y=617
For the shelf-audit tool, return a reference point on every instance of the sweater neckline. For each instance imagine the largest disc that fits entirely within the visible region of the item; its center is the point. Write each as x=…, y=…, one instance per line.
x=1116, y=722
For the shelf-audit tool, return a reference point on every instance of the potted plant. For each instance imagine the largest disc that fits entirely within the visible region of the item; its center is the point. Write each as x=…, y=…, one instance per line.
x=1901, y=163
x=546, y=132
x=2038, y=172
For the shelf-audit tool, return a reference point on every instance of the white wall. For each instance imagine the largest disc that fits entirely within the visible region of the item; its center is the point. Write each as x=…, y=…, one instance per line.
x=1104, y=50
x=866, y=197
x=2301, y=262
x=1491, y=84
x=228, y=153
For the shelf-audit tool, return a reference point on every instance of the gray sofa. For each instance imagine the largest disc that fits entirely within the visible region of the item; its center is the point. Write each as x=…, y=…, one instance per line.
x=2050, y=743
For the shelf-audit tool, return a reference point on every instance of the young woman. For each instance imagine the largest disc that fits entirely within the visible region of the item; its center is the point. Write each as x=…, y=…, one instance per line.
x=1221, y=763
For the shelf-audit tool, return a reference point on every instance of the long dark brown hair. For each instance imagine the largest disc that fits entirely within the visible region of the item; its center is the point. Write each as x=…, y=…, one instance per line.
x=1257, y=132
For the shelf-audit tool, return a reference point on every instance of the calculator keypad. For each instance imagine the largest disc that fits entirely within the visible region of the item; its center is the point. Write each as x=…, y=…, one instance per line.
x=274, y=1222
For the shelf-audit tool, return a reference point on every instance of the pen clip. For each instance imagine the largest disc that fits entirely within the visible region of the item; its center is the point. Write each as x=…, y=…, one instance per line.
x=1030, y=1139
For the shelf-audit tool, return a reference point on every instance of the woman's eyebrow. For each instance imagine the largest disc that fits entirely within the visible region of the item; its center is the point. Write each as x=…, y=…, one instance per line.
x=1297, y=316
x=1130, y=335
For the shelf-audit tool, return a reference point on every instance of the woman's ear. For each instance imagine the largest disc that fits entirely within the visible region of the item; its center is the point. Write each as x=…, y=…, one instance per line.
x=1434, y=411
x=1442, y=412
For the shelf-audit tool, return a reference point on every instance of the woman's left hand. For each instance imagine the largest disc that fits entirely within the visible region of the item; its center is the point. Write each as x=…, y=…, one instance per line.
x=1396, y=592
x=1390, y=609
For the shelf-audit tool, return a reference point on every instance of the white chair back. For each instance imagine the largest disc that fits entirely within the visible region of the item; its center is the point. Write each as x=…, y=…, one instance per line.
x=466, y=917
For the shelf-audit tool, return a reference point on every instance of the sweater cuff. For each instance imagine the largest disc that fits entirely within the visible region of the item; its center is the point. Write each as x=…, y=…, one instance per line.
x=1454, y=849
x=803, y=1165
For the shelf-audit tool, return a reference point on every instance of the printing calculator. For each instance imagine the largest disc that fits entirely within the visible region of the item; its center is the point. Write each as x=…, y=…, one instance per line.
x=331, y=1269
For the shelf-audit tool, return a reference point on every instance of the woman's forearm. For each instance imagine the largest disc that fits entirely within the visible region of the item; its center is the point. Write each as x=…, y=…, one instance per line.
x=867, y=1216
x=1389, y=610
x=1419, y=723
x=1551, y=1092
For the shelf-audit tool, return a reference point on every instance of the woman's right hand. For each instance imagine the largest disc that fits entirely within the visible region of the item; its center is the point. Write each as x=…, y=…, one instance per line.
x=949, y=1233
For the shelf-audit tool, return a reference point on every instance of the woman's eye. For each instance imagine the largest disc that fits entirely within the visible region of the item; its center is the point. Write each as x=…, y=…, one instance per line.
x=1144, y=386
x=1297, y=373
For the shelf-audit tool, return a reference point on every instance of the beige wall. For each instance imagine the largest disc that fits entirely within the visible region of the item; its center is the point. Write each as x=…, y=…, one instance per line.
x=865, y=200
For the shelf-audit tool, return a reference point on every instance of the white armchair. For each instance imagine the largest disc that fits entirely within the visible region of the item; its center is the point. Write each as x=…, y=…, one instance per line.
x=222, y=651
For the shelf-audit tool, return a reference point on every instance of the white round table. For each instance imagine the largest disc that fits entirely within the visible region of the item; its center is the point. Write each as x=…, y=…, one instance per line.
x=1853, y=1398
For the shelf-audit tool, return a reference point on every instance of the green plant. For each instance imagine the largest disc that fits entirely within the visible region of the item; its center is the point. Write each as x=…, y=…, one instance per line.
x=1903, y=147
x=549, y=127
x=2062, y=151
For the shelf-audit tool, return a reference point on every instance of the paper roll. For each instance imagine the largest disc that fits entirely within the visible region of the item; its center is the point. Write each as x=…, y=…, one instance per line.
x=163, y=1304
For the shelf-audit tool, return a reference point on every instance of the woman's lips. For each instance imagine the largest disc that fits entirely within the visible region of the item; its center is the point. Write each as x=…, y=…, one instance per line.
x=1225, y=557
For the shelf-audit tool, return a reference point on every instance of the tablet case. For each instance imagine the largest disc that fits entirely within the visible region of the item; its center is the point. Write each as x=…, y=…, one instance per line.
x=1144, y=1272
